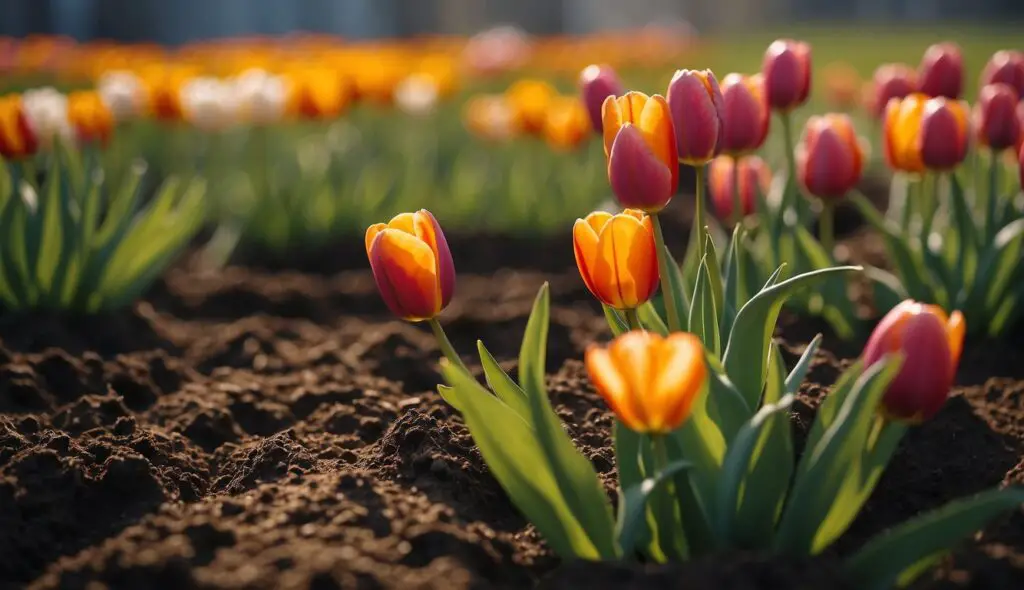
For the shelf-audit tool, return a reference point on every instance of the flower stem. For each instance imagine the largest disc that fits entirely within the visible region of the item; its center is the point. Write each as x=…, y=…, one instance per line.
x=787, y=137
x=632, y=319
x=993, y=194
x=671, y=538
x=446, y=345
x=737, y=206
x=698, y=215
x=667, y=287
x=826, y=226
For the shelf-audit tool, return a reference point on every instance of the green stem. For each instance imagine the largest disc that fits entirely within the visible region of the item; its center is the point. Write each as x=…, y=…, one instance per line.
x=826, y=226
x=787, y=137
x=931, y=208
x=737, y=206
x=909, y=200
x=674, y=541
x=993, y=194
x=632, y=319
x=667, y=287
x=446, y=345
x=698, y=215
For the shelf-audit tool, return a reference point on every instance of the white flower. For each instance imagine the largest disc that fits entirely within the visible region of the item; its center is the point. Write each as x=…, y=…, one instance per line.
x=262, y=96
x=123, y=93
x=209, y=103
x=417, y=94
x=46, y=112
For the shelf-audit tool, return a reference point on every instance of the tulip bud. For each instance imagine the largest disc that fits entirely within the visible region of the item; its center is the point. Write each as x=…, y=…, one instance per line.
x=930, y=344
x=944, y=134
x=830, y=158
x=695, y=101
x=17, y=140
x=942, y=71
x=787, y=74
x=744, y=114
x=530, y=100
x=490, y=116
x=841, y=85
x=412, y=265
x=891, y=81
x=995, y=117
x=90, y=117
x=753, y=176
x=46, y=112
x=596, y=84
x=649, y=381
x=616, y=257
x=639, y=140
x=1005, y=67
x=567, y=123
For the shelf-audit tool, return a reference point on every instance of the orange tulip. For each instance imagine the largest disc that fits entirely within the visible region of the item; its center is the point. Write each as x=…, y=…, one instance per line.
x=567, y=124
x=412, y=265
x=489, y=117
x=649, y=381
x=90, y=117
x=931, y=344
x=842, y=84
x=318, y=93
x=530, y=100
x=640, y=142
x=163, y=87
x=925, y=133
x=17, y=139
x=753, y=176
x=744, y=114
x=830, y=158
x=616, y=257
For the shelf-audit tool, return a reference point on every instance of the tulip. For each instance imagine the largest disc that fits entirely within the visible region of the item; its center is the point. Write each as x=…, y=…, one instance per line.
x=616, y=257
x=489, y=117
x=262, y=97
x=931, y=344
x=942, y=71
x=841, y=85
x=787, y=74
x=317, y=93
x=744, y=114
x=890, y=81
x=530, y=100
x=598, y=82
x=418, y=94
x=1005, y=67
x=412, y=265
x=830, y=159
x=732, y=180
x=46, y=112
x=90, y=117
x=925, y=133
x=567, y=124
x=639, y=140
x=649, y=381
x=210, y=104
x=17, y=141
x=123, y=93
x=995, y=117
x=696, y=104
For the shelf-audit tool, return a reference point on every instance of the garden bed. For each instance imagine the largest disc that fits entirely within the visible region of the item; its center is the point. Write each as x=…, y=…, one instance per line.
x=275, y=428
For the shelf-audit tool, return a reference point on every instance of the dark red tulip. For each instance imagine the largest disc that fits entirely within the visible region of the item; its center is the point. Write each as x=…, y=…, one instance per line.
x=942, y=71
x=995, y=117
x=598, y=82
x=745, y=114
x=890, y=81
x=1005, y=67
x=787, y=74
x=830, y=158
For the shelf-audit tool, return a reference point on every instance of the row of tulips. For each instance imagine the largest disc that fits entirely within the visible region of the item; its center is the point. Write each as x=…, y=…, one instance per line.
x=702, y=437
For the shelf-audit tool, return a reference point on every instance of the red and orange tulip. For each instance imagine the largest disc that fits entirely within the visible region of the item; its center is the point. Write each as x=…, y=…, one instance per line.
x=995, y=117
x=318, y=93
x=90, y=117
x=597, y=83
x=412, y=265
x=649, y=381
x=942, y=71
x=1005, y=67
x=931, y=344
x=490, y=117
x=923, y=133
x=753, y=175
x=830, y=158
x=890, y=81
x=17, y=140
x=640, y=142
x=697, y=108
x=787, y=74
x=744, y=114
x=567, y=124
x=616, y=257
x=530, y=100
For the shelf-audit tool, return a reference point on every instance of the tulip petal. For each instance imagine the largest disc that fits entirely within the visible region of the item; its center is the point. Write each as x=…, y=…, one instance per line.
x=679, y=374
x=623, y=266
x=584, y=242
x=955, y=329
x=655, y=123
x=611, y=386
x=371, y=233
x=631, y=357
x=405, y=270
x=428, y=230
x=405, y=222
x=638, y=178
x=921, y=388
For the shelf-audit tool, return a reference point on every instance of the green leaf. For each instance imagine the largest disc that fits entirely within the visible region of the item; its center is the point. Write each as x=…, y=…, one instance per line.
x=703, y=319
x=824, y=467
x=632, y=516
x=630, y=448
x=886, y=560
x=836, y=306
x=675, y=278
x=650, y=319
x=909, y=265
x=802, y=366
x=502, y=385
x=887, y=290
x=574, y=474
x=752, y=332
x=829, y=408
x=714, y=277
x=1001, y=263
x=15, y=291
x=967, y=237
x=519, y=464
x=615, y=322
x=736, y=290
x=450, y=396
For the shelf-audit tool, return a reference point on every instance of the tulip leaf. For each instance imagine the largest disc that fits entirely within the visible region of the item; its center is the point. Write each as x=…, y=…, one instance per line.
x=896, y=556
x=752, y=331
x=703, y=315
x=714, y=277
x=574, y=474
x=634, y=500
x=824, y=467
x=887, y=291
x=829, y=408
x=909, y=264
x=450, y=397
x=515, y=457
x=836, y=306
x=967, y=236
x=650, y=319
x=1001, y=261
x=10, y=232
x=502, y=385
x=615, y=321
x=802, y=366
x=51, y=232
x=629, y=449
x=736, y=289
x=676, y=285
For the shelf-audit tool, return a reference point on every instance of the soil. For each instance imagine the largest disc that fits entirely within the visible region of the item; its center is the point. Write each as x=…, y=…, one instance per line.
x=267, y=428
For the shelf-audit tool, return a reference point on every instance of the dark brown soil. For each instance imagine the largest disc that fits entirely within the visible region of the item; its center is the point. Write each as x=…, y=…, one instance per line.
x=274, y=429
